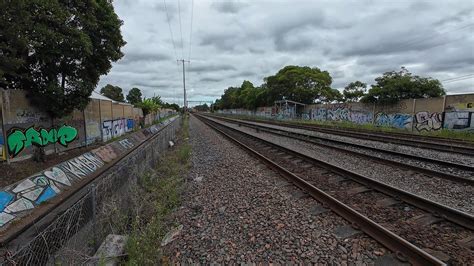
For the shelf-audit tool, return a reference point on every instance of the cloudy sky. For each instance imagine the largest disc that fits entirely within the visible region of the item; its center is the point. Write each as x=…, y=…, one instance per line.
x=232, y=41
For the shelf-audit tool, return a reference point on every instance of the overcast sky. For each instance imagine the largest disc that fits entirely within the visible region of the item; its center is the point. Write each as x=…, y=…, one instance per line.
x=234, y=41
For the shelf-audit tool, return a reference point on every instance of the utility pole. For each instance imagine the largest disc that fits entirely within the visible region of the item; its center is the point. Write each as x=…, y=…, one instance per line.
x=185, y=105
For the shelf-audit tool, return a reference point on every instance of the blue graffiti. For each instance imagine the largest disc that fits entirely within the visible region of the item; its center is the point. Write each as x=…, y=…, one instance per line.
x=5, y=198
x=393, y=120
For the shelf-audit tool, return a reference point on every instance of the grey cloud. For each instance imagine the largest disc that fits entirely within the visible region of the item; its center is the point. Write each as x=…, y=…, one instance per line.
x=228, y=6
x=234, y=41
x=138, y=56
x=210, y=79
x=208, y=68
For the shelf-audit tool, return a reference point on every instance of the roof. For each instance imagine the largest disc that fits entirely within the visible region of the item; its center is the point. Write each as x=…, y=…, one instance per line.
x=99, y=96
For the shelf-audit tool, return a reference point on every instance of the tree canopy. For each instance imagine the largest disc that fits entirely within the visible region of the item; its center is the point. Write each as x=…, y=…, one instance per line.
x=57, y=50
x=112, y=92
x=134, y=96
x=301, y=84
x=354, y=91
x=394, y=86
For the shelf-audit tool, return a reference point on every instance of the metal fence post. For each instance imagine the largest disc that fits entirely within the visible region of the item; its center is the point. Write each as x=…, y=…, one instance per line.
x=94, y=213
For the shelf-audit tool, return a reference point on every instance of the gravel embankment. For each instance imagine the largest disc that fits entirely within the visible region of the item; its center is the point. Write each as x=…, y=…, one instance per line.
x=443, y=191
x=451, y=157
x=236, y=210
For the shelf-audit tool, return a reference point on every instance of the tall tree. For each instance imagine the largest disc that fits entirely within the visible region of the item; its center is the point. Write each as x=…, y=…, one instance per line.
x=112, y=92
x=394, y=86
x=57, y=50
x=301, y=84
x=354, y=91
x=134, y=96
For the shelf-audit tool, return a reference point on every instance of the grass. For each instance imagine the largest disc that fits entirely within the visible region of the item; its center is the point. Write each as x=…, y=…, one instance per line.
x=442, y=133
x=160, y=195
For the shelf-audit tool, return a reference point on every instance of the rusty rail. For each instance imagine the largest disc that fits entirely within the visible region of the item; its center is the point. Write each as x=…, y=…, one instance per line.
x=402, y=248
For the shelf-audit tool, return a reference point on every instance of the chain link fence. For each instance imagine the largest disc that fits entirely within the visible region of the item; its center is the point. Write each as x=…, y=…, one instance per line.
x=76, y=233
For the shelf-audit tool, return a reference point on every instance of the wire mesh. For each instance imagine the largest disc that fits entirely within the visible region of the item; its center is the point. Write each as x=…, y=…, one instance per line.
x=76, y=233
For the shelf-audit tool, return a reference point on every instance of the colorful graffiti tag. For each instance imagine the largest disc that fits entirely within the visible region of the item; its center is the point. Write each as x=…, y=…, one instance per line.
x=341, y=113
x=117, y=127
x=19, y=139
x=30, y=192
x=17, y=199
x=426, y=121
x=393, y=120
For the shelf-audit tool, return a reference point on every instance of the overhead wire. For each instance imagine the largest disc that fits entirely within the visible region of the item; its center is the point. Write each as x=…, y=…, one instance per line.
x=460, y=78
x=171, y=31
x=180, y=30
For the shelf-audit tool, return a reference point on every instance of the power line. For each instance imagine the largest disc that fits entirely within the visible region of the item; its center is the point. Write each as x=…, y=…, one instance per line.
x=171, y=31
x=180, y=29
x=191, y=29
x=459, y=79
x=468, y=75
x=410, y=43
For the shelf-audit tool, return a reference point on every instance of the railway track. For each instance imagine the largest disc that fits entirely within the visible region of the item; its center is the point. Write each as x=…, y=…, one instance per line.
x=434, y=143
x=408, y=225
x=455, y=172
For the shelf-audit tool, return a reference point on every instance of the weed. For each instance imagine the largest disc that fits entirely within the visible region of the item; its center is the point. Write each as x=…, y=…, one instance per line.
x=158, y=196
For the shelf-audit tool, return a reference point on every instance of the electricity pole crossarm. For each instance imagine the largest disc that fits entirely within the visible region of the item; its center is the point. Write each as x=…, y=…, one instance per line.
x=185, y=103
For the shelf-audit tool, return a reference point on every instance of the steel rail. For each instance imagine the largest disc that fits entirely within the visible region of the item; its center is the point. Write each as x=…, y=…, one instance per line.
x=439, y=146
x=310, y=139
x=345, y=143
x=458, y=217
x=403, y=249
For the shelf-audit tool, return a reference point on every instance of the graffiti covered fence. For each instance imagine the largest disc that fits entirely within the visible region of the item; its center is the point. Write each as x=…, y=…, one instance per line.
x=454, y=112
x=26, y=130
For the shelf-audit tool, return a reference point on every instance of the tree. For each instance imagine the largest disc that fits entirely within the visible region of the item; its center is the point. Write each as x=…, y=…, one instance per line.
x=354, y=91
x=202, y=107
x=149, y=106
x=112, y=92
x=394, y=86
x=301, y=84
x=57, y=50
x=134, y=96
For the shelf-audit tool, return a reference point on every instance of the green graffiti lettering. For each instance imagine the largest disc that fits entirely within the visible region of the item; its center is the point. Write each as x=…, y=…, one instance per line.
x=32, y=137
x=66, y=134
x=15, y=142
x=18, y=140
x=48, y=136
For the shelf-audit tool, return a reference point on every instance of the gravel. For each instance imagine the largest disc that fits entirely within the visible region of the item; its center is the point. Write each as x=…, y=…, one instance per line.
x=236, y=210
x=443, y=191
x=451, y=157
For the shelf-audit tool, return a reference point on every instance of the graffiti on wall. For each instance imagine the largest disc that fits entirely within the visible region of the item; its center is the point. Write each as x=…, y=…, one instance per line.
x=25, y=195
x=341, y=113
x=29, y=116
x=393, y=120
x=32, y=191
x=459, y=120
x=19, y=139
x=117, y=127
x=426, y=121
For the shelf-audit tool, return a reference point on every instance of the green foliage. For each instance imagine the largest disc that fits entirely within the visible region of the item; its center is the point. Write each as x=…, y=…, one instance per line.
x=171, y=106
x=57, y=50
x=161, y=195
x=394, y=86
x=301, y=84
x=354, y=91
x=134, y=96
x=202, y=108
x=112, y=92
x=149, y=106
